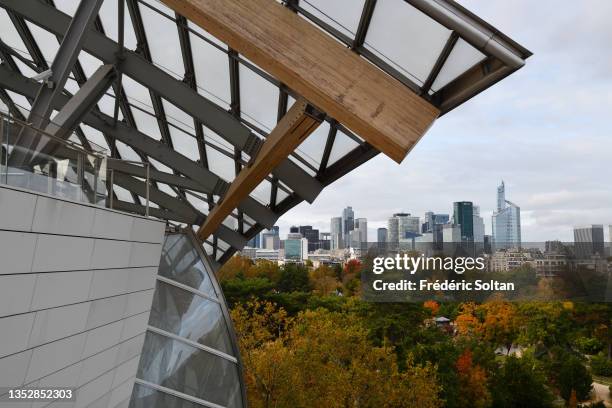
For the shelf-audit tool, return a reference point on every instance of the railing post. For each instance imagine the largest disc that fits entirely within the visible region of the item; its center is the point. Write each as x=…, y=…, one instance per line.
x=2, y=147
x=148, y=168
x=111, y=190
x=80, y=175
x=97, y=164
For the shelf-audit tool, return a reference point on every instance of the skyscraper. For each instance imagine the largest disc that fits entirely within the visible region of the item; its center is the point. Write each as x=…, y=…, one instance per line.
x=362, y=225
x=506, y=222
x=312, y=235
x=478, y=223
x=335, y=230
x=270, y=239
x=463, y=217
x=348, y=224
x=381, y=235
x=402, y=226
x=588, y=241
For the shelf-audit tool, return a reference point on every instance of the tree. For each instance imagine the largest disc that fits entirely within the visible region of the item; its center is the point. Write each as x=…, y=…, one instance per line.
x=570, y=374
x=432, y=306
x=323, y=280
x=294, y=278
x=324, y=359
x=473, y=383
x=520, y=383
x=237, y=266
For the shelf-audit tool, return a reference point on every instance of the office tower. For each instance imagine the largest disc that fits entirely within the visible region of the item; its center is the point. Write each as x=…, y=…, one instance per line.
x=463, y=217
x=325, y=240
x=487, y=249
x=312, y=235
x=429, y=222
x=381, y=235
x=478, y=223
x=362, y=225
x=296, y=247
x=588, y=241
x=506, y=222
x=271, y=239
x=335, y=230
x=348, y=224
x=451, y=234
x=393, y=230
x=293, y=229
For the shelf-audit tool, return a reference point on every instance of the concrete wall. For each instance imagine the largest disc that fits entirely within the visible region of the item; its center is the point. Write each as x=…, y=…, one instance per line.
x=76, y=285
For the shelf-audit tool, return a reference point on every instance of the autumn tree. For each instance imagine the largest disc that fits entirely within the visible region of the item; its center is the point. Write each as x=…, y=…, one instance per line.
x=473, y=383
x=323, y=280
x=324, y=359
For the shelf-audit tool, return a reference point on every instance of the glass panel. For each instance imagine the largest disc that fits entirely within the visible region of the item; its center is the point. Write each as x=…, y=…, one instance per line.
x=165, y=48
x=343, y=15
x=312, y=148
x=211, y=71
x=178, y=366
x=220, y=164
x=258, y=99
x=144, y=397
x=108, y=15
x=200, y=204
x=10, y=36
x=190, y=316
x=406, y=38
x=224, y=246
x=46, y=41
x=342, y=145
x=181, y=262
x=126, y=152
x=262, y=192
x=89, y=63
x=462, y=57
x=67, y=6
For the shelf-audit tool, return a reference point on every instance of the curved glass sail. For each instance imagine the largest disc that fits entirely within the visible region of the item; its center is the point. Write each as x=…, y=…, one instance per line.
x=190, y=357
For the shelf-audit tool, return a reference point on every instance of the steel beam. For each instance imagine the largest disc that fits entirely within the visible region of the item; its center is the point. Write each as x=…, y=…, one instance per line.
x=177, y=92
x=207, y=180
x=292, y=130
x=65, y=59
x=82, y=102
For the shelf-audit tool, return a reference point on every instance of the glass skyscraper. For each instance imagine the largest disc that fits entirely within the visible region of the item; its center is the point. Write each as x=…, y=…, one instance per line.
x=506, y=222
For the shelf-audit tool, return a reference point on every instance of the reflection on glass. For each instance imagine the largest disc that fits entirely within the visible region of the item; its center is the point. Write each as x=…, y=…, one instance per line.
x=180, y=262
x=190, y=316
x=178, y=366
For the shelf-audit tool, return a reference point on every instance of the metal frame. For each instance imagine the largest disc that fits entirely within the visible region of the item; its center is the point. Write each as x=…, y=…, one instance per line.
x=504, y=57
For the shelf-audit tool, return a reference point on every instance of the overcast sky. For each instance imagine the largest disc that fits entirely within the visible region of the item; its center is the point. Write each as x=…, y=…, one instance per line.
x=545, y=131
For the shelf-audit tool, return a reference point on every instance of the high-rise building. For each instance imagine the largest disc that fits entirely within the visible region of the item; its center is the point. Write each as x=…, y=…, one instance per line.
x=506, y=222
x=324, y=240
x=432, y=219
x=463, y=217
x=402, y=226
x=589, y=241
x=296, y=247
x=451, y=234
x=348, y=224
x=312, y=235
x=335, y=230
x=478, y=223
x=271, y=239
x=381, y=235
x=362, y=225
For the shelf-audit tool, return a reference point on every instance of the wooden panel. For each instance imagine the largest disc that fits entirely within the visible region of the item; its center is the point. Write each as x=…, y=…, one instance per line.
x=363, y=98
x=292, y=129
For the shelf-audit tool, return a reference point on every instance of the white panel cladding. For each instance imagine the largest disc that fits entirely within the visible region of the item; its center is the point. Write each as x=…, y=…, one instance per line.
x=76, y=285
x=16, y=251
x=16, y=293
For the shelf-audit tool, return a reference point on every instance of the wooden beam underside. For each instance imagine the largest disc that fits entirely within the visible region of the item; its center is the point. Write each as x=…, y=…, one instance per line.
x=290, y=131
x=366, y=100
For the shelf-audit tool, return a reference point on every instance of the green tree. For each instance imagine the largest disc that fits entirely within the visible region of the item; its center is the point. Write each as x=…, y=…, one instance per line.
x=520, y=383
x=294, y=278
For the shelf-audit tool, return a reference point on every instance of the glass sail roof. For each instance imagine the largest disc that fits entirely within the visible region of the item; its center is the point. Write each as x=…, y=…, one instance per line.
x=435, y=47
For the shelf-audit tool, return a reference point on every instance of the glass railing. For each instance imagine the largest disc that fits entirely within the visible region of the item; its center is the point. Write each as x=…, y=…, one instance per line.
x=42, y=162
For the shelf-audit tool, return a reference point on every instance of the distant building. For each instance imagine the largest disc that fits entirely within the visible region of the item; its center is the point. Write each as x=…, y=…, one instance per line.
x=348, y=224
x=402, y=226
x=260, y=253
x=270, y=239
x=361, y=225
x=550, y=264
x=296, y=248
x=312, y=235
x=589, y=241
x=451, y=234
x=381, y=235
x=505, y=260
x=431, y=220
x=325, y=240
x=506, y=222
x=335, y=231
x=478, y=224
x=463, y=217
